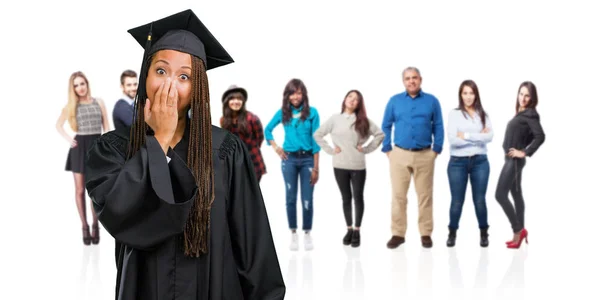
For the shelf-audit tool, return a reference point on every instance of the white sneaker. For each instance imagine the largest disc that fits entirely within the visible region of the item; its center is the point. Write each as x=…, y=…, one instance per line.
x=308, y=244
x=294, y=244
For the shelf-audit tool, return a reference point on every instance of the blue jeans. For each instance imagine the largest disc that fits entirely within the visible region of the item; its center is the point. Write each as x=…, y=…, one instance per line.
x=294, y=168
x=460, y=170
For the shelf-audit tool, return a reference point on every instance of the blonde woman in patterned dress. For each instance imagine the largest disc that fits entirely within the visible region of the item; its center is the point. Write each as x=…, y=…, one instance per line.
x=88, y=119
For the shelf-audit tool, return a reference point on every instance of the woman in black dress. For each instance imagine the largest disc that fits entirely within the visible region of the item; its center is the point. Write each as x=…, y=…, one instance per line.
x=524, y=135
x=179, y=194
x=87, y=117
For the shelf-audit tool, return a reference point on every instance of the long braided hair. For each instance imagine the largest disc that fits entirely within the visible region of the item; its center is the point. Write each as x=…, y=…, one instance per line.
x=199, y=155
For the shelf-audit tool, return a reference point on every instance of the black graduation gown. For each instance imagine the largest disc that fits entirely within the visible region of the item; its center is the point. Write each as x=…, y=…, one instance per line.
x=144, y=202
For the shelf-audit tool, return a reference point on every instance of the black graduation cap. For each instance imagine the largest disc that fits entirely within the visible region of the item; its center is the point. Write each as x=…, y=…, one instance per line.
x=183, y=32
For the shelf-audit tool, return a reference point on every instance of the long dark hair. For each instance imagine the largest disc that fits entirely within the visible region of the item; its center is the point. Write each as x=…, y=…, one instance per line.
x=240, y=116
x=361, y=125
x=476, y=103
x=533, y=96
x=199, y=155
x=290, y=88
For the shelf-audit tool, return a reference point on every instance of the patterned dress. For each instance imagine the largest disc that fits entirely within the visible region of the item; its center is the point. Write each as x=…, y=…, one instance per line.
x=89, y=128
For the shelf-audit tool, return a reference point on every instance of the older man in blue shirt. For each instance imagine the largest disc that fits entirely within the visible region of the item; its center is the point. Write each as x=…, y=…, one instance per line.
x=418, y=138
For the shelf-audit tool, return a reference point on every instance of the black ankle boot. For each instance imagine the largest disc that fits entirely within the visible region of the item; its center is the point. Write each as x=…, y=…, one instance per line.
x=348, y=237
x=356, y=238
x=484, y=238
x=451, y=238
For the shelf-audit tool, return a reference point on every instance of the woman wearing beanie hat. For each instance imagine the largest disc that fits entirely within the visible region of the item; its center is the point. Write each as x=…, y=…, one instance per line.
x=244, y=124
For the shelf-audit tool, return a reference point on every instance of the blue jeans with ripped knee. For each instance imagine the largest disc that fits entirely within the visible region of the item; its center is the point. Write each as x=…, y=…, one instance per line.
x=293, y=168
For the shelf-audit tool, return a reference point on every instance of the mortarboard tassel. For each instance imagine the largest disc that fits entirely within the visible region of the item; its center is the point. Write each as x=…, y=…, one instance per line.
x=140, y=100
x=144, y=69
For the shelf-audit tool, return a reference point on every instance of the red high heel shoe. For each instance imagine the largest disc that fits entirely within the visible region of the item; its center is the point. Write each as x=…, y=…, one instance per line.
x=517, y=245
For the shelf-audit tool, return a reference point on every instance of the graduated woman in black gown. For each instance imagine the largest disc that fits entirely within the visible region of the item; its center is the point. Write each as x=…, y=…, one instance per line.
x=179, y=194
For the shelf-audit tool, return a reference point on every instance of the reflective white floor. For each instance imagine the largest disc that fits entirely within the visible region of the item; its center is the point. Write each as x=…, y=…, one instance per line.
x=68, y=270
x=43, y=256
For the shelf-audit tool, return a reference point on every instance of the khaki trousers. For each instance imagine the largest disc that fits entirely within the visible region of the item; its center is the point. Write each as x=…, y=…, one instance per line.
x=404, y=164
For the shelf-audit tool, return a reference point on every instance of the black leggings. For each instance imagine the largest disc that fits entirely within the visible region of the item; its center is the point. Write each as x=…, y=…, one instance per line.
x=510, y=181
x=352, y=182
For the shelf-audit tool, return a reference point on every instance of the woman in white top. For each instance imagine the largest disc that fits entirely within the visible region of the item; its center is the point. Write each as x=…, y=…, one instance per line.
x=349, y=131
x=469, y=131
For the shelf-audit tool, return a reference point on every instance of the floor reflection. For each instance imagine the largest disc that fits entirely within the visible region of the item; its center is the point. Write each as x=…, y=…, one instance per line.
x=458, y=288
x=89, y=280
x=425, y=275
x=481, y=275
x=354, y=280
x=398, y=271
x=513, y=283
x=296, y=289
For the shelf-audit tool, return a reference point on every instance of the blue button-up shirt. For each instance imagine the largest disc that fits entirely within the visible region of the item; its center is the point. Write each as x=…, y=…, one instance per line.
x=415, y=120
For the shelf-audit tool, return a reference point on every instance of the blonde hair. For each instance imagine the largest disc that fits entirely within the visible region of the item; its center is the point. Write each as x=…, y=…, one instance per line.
x=74, y=99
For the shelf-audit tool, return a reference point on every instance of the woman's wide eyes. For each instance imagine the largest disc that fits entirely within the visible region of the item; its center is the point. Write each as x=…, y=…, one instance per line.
x=161, y=71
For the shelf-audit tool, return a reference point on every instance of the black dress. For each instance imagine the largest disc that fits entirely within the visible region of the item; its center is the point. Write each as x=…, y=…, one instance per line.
x=144, y=203
x=89, y=128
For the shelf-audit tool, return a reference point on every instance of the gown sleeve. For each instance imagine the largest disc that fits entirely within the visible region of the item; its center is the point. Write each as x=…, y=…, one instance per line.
x=141, y=201
x=253, y=248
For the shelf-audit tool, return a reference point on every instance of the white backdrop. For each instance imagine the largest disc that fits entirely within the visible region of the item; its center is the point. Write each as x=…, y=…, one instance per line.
x=333, y=47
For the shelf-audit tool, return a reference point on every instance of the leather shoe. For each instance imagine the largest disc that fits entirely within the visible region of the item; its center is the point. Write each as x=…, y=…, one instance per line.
x=395, y=241
x=426, y=241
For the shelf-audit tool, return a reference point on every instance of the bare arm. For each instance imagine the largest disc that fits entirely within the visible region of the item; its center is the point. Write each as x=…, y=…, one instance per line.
x=314, y=176
x=60, y=126
x=105, y=124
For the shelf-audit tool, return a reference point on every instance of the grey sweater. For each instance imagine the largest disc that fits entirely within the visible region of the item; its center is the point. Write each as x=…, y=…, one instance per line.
x=344, y=136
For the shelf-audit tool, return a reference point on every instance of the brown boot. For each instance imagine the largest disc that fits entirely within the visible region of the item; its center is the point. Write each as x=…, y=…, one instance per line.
x=395, y=241
x=426, y=241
